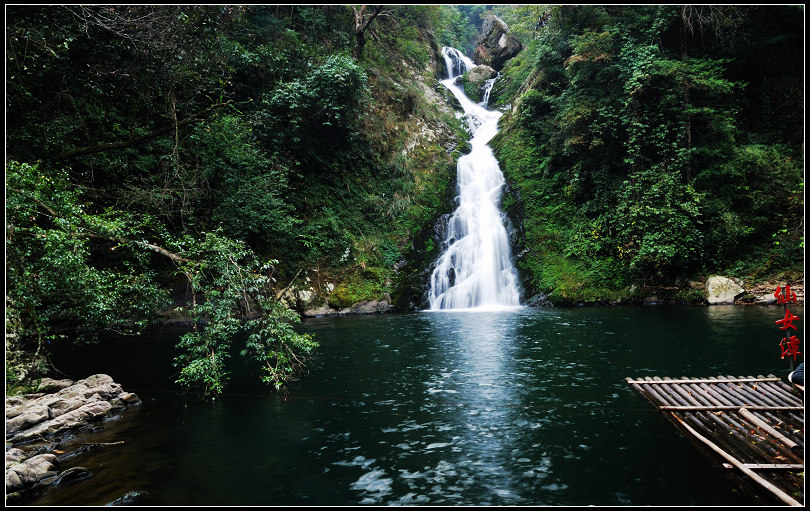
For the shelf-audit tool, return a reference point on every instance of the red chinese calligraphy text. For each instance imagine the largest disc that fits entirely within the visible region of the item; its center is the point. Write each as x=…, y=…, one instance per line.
x=787, y=321
x=788, y=297
x=790, y=347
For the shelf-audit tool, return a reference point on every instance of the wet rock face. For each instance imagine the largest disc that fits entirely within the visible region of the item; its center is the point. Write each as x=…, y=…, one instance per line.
x=480, y=74
x=67, y=406
x=32, y=416
x=496, y=45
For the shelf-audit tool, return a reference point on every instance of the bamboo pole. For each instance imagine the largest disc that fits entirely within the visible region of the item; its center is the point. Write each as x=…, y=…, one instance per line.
x=651, y=394
x=670, y=391
x=686, y=408
x=737, y=440
x=773, y=390
x=779, y=392
x=688, y=396
x=767, y=427
x=703, y=392
x=745, y=393
x=769, y=466
x=719, y=397
x=784, y=497
x=703, y=380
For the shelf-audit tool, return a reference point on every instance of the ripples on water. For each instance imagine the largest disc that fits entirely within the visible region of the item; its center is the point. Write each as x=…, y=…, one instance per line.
x=516, y=407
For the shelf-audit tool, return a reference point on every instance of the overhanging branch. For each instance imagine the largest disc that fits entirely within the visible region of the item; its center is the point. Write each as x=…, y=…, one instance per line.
x=117, y=239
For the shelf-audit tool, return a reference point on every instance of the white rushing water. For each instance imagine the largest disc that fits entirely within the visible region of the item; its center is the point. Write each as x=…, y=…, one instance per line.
x=475, y=270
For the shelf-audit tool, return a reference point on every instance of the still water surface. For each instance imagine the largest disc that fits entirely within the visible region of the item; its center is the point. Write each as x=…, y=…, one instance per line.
x=518, y=407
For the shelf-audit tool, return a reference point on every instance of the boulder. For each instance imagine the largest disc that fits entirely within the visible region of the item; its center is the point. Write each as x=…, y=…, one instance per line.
x=36, y=416
x=51, y=385
x=317, y=312
x=14, y=455
x=69, y=420
x=22, y=417
x=372, y=307
x=496, y=44
x=474, y=82
x=30, y=416
x=480, y=74
x=24, y=473
x=722, y=290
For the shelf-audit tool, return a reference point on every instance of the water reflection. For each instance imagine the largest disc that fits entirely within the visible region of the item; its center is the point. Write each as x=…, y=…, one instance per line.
x=475, y=388
x=521, y=407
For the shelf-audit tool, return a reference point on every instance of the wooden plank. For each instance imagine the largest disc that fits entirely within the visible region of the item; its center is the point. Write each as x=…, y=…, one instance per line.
x=691, y=408
x=703, y=380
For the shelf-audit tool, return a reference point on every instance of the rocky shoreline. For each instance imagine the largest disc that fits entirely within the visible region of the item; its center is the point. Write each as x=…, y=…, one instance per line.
x=35, y=424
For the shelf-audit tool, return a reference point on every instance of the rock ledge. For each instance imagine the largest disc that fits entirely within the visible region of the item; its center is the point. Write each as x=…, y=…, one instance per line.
x=63, y=405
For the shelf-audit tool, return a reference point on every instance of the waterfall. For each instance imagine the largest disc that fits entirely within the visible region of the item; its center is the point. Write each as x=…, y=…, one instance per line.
x=487, y=89
x=457, y=63
x=475, y=270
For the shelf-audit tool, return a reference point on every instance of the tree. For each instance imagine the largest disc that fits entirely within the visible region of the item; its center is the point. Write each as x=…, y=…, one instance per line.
x=94, y=272
x=232, y=294
x=362, y=24
x=633, y=141
x=712, y=21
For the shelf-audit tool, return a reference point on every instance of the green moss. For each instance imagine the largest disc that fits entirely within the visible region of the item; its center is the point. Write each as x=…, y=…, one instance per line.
x=364, y=285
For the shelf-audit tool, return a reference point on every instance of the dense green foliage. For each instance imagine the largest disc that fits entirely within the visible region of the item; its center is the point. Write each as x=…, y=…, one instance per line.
x=94, y=271
x=239, y=151
x=643, y=147
x=150, y=142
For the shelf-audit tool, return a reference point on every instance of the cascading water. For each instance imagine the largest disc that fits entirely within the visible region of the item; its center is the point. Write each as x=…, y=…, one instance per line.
x=475, y=270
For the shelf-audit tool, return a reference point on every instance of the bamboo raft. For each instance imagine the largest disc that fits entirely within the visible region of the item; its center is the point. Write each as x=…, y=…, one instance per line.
x=754, y=426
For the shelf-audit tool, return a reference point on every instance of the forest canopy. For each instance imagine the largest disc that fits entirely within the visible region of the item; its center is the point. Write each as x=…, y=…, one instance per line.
x=651, y=145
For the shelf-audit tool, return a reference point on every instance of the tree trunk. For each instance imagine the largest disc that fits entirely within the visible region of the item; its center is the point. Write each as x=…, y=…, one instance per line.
x=686, y=27
x=361, y=24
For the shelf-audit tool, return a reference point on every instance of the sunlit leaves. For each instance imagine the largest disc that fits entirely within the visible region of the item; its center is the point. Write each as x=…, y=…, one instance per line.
x=54, y=269
x=232, y=295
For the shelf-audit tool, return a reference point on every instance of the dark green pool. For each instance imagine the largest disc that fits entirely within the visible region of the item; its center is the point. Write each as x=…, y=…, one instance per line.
x=522, y=407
